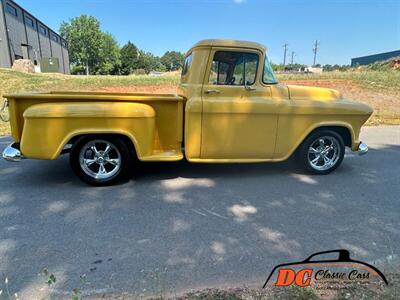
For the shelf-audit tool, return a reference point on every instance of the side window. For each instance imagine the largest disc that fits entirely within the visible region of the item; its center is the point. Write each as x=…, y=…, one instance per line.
x=233, y=68
x=186, y=65
x=42, y=30
x=219, y=72
x=268, y=74
x=29, y=22
x=54, y=37
x=251, y=68
x=11, y=10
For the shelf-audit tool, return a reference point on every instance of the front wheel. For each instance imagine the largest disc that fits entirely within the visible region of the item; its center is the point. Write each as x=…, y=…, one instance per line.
x=100, y=160
x=321, y=152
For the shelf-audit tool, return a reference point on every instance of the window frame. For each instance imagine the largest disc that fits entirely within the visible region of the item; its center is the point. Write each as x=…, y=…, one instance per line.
x=41, y=29
x=187, y=63
x=11, y=9
x=54, y=37
x=262, y=74
x=30, y=23
x=235, y=50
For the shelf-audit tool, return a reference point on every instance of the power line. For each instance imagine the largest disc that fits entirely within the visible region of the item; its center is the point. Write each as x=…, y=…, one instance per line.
x=315, y=50
x=284, y=53
x=292, y=56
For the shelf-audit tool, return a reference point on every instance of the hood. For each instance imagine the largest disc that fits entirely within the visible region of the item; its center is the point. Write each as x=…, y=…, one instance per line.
x=297, y=92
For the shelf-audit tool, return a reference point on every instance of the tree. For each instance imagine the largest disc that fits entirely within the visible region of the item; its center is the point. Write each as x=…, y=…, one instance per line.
x=277, y=67
x=84, y=39
x=110, y=57
x=172, y=60
x=149, y=62
x=327, y=68
x=129, y=58
x=133, y=60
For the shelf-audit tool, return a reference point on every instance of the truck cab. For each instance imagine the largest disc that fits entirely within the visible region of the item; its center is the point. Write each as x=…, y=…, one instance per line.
x=237, y=111
x=229, y=84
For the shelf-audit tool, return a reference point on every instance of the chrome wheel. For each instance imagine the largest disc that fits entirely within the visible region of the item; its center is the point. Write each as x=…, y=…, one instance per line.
x=100, y=159
x=324, y=153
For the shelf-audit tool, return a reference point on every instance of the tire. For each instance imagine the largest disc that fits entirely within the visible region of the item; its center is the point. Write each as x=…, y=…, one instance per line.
x=100, y=160
x=321, y=152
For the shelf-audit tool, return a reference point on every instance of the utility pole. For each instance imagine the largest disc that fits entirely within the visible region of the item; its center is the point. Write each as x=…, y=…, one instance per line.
x=315, y=50
x=284, y=54
x=291, y=60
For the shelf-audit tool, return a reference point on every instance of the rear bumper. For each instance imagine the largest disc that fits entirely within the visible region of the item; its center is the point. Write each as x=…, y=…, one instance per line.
x=12, y=153
x=362, y=148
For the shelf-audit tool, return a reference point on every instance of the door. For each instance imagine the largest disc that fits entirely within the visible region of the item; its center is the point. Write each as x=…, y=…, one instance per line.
x=239, y=119
x=25, y=51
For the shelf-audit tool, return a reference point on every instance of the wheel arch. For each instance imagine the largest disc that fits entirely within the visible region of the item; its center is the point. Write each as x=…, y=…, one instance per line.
x=303, y=155
x=127, y=138
x=343, y=129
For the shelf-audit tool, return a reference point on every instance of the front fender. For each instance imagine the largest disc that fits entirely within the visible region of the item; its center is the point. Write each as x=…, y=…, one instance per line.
x=289, y=138
x=49, y=126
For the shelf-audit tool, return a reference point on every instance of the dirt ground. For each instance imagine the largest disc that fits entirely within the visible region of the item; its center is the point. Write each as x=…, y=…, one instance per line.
x=157, y=89
x=386, y=104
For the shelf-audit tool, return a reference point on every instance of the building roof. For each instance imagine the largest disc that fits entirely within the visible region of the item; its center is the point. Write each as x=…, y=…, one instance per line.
x=390, y=53
x=369, y=59
x=229, y=43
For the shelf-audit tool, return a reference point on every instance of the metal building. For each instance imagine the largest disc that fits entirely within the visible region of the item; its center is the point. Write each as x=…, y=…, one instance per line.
x=24, y=36
x=366, y=60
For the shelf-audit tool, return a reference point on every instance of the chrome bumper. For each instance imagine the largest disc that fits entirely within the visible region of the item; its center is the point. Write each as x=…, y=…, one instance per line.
x=362, y=148
x=12, y=153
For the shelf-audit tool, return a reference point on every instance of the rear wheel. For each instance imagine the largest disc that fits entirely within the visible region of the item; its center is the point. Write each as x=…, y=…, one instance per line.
x=100, y=160
x=322, y=152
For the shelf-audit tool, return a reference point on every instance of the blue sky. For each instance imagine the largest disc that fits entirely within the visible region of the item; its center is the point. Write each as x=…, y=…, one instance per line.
x=345, y=29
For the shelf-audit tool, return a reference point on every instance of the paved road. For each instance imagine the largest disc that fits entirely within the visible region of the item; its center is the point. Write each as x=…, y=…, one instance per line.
x=180, y=226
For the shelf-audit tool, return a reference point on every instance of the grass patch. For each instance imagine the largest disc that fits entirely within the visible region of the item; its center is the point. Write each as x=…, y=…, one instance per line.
x=13, y=81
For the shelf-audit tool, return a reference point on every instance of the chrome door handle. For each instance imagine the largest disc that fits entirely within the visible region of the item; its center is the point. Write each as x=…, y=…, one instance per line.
x=211, y=91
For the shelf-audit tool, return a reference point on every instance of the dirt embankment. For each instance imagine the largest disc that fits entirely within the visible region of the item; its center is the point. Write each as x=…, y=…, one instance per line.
x=386, y=104
x=156, y=89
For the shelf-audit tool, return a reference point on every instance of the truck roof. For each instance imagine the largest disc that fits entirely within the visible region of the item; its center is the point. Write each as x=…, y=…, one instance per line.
x=228, y=43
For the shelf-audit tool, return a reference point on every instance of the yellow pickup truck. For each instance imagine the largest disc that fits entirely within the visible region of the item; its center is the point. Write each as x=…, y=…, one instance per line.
x=229, y=109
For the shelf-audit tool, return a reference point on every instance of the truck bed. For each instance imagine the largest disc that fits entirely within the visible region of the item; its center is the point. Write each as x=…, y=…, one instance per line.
x=168, y=117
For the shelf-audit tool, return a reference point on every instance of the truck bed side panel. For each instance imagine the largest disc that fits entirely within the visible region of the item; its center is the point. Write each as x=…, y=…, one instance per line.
x=37, y=119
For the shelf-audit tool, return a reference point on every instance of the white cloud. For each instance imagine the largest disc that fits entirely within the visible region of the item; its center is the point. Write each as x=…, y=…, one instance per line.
x=239, y=1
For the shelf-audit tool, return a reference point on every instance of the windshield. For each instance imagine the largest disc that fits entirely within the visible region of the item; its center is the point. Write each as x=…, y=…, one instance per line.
x=268, y=76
